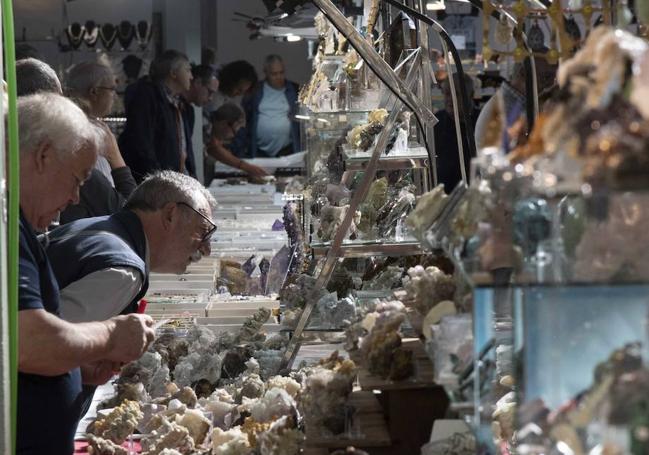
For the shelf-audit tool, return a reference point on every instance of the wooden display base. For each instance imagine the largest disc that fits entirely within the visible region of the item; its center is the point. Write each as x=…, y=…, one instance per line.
x=369, y=427
x=410, y=406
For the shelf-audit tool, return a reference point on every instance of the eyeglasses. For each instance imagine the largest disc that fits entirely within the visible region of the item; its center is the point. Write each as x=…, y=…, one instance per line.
x=112, y=89
x=206, y=237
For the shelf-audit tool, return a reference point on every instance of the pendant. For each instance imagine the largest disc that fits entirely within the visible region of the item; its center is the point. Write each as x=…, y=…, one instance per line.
x=92, y=33
x=75, y=33
x=125, y=34
x=107, y=35
x=143, y=34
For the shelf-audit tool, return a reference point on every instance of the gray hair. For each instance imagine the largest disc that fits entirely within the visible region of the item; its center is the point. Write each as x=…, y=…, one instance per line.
x=270, y=59
x=168, y=62
x=84, y=76
x=54, y=119
x=35, y=76
x=163, y=187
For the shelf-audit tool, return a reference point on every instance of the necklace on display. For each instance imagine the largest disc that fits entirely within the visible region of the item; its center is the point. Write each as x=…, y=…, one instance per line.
x=92, y=33
x=143, y=34
x=125, y=34
x=108, y=35
x=75, y=33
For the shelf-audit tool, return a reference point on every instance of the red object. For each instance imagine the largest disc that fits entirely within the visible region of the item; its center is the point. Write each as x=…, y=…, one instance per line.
x=81, y=447
x=141, y=308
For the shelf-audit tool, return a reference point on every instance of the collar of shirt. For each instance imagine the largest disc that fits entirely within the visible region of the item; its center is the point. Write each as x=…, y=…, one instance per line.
x=173, y=99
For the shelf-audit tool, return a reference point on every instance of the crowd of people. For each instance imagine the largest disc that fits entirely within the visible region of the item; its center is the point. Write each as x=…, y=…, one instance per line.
x=131, y=204
x=126, y=206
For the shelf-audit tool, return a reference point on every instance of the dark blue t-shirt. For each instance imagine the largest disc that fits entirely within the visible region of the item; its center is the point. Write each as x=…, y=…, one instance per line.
x=48, y=406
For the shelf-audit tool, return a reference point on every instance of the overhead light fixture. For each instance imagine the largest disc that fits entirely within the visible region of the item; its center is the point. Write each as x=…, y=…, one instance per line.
x=292, y=38
x=436, y=5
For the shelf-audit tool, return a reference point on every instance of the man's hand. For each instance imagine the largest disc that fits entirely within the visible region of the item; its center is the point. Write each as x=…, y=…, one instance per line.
x=109, y=147
x=253, y=171
x=130, y=336
x=98, y=373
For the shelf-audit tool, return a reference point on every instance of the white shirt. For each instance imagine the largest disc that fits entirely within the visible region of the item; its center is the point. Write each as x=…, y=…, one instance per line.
x=103, y=166
x=100, y=295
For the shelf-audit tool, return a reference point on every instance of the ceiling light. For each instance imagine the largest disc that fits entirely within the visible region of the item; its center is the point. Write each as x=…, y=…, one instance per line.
x=436, y=5
x=292, y=38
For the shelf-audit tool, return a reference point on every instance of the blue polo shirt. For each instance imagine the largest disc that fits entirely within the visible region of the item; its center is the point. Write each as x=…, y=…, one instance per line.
x=48, y=406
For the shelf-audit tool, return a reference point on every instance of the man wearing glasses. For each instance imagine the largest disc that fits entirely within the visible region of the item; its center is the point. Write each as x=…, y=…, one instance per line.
x=102, y=264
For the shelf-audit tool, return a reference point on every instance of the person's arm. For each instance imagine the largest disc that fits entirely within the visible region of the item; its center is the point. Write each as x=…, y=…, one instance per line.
x=218, y=151
x=124, y=183
x=50, y=346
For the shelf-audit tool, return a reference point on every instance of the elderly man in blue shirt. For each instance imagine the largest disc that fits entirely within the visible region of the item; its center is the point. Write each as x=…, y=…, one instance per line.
x=58, y=148
x=271, y=127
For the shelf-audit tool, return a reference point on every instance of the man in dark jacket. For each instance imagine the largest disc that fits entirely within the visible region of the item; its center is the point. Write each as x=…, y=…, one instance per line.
x=155, y=136
x=448, y=162
x=270, y=115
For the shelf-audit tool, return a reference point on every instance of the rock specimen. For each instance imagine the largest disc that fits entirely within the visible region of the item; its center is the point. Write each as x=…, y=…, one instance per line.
x=377, y=197
x=330, y=220
x=119, y=424
x=251, y=329
x=427, y=287
x=324, y=400
x=428, y=208
x=282, y=438
x=101, y=446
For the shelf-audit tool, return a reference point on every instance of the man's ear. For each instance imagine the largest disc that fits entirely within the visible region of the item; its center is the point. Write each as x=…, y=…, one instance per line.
x=169, y=214
x=43, y=157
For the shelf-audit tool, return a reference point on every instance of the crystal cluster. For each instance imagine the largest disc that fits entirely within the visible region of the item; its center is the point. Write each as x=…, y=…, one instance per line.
x=324, y=399
x=362, y=136
x=427, y=287
x=331, y=218
x=429, y=206
x=118, y=424
x=293, y=227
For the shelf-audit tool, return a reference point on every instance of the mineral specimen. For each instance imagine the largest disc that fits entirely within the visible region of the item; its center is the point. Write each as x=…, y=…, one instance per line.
x=376, y=198
x=169, y=435
x=427, y=287
x=231, y=442
x=330, y=220
x=101, y=446
x=119, y=424
x=253, y=386
x=391, y=217
x=198, y=366
x=291, y=386
x=390, y=278
x=253, y=428
x=125, y=391
x=336, y=313
x=324, y=400
x=275, y=403
x=234, y=362
x=293, y=226
x=341, y=282
x=282, y=438
x=429, y=206
x=197, y=425
x=251, y=329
